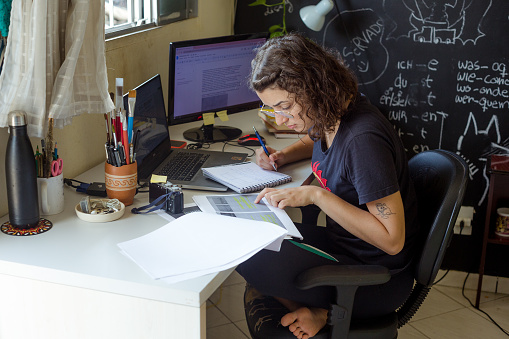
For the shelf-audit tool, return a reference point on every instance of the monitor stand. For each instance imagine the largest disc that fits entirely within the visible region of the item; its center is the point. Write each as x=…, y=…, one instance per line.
x=211, y=133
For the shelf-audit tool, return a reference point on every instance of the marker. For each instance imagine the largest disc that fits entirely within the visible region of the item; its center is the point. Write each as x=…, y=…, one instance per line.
x=263, y=145
x=131, y=102
x=55, y=152
x=124, y=140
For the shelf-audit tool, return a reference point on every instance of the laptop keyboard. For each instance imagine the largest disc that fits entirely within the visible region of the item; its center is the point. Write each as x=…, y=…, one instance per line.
x=183, y=166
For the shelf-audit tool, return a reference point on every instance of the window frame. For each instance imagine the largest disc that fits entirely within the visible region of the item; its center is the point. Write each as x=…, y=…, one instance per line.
x=157, y=19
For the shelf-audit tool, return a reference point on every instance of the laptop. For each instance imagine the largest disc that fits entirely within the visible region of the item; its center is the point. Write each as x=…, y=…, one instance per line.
x=154, y=154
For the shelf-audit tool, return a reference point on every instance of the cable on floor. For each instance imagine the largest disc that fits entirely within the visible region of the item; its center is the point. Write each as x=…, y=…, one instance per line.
x=436, y=282
x=492, y=320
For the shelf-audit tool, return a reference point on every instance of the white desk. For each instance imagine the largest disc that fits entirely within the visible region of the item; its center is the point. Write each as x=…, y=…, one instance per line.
x=72, y=281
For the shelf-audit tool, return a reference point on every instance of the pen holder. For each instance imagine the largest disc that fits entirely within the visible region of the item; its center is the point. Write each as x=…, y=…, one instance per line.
x=121, y=182
x=51, y=194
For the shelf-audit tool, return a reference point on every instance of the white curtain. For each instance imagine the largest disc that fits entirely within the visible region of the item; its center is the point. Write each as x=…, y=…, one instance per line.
x=55, y=65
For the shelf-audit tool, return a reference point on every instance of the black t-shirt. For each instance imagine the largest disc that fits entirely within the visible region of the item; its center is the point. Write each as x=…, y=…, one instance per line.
x=366, y=162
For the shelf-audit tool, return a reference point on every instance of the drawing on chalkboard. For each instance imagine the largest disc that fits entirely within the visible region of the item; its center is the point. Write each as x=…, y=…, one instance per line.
x=283, y=6
x=437, y=22
x=475, y=145
x=363, y=31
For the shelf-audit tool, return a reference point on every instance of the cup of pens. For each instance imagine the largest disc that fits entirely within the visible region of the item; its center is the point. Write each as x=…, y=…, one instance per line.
x=50, y=180
x=121, y=182
x=120, y=168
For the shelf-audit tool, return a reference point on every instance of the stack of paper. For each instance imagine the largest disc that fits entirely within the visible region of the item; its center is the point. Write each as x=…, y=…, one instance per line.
x=200, y=243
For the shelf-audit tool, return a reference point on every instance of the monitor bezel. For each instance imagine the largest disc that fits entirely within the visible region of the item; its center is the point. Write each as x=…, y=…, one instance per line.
x=171, y=78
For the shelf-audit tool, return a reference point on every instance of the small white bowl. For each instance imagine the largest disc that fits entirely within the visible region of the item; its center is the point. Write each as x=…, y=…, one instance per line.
x=99, y=217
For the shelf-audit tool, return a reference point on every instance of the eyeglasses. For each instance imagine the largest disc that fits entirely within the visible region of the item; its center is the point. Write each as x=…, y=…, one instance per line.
x=271, y=112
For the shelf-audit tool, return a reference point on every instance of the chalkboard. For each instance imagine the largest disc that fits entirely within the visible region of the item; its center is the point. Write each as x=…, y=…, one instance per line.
x=438, y=70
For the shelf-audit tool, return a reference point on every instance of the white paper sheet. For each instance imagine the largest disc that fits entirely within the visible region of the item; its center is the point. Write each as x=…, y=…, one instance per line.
x=200, y=243
x=242, y=205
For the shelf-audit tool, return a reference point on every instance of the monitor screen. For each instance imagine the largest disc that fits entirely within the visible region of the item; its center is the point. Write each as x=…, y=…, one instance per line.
x=211, y=75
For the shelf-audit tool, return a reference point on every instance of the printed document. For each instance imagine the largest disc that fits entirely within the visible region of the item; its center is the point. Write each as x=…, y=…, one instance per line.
x=200, y=243
x=243, y=206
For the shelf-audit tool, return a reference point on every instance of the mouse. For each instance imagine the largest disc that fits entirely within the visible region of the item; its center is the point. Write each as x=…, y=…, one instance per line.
x=249, y=140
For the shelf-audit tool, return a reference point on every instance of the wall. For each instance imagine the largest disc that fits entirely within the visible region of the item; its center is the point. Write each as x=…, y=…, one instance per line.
x=438, y=70
x=135, y=58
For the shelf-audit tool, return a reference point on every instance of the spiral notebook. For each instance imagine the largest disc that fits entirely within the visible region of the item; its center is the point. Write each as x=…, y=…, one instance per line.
x=245, y=177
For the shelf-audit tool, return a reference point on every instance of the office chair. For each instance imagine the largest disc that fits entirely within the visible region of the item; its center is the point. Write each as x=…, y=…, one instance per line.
x=440, y=180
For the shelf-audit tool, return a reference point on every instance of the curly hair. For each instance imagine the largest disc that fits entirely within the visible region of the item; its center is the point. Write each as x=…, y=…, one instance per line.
x=319, y=79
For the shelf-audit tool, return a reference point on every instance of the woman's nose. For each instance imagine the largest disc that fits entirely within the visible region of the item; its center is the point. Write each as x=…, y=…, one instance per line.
x=280, y=119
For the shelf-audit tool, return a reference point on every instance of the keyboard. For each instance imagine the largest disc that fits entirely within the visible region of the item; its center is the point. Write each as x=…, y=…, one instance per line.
x=183, y=166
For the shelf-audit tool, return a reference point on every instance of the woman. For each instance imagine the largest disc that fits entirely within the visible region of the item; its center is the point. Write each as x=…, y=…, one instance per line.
x=365, y=188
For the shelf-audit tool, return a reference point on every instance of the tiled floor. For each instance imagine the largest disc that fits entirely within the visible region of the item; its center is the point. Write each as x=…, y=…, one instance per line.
x=444, y=314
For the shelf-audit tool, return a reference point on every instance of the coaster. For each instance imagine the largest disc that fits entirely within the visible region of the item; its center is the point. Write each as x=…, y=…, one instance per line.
x=42, y=226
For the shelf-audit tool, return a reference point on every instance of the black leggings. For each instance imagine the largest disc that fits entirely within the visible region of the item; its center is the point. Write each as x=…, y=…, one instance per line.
x=273, y=273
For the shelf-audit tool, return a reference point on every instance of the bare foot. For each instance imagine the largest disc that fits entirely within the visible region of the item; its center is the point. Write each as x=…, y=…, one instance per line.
x=305, y=322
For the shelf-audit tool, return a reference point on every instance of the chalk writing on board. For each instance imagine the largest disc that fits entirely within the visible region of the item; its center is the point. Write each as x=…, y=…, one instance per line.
x=413, y=106
x=411, y=101
x=437, y=22
x=365, y=43
x=483, y=86
x=475, y=86
x=276, y=9
x=438, y=70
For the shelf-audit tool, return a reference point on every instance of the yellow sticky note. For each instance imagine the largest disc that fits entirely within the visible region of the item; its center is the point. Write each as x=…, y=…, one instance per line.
x=154, y=179
x=208, y=118
x=222, y=115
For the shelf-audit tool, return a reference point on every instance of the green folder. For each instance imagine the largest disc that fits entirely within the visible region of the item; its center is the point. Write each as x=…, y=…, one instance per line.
x=313, y=250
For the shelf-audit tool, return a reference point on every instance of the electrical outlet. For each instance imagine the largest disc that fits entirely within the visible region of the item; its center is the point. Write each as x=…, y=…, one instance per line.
x=465, y=215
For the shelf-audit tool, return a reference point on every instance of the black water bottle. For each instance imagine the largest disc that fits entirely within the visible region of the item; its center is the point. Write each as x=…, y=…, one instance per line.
x=20, y=173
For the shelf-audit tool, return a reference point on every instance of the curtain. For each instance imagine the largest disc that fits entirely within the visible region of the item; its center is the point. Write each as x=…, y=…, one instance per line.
x=55, y=65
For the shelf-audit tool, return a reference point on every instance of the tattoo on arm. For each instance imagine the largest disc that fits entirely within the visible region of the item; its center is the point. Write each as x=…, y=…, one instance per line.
x=383, y=210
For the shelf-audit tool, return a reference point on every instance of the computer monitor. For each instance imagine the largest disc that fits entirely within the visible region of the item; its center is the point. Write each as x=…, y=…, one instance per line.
x=211, y=75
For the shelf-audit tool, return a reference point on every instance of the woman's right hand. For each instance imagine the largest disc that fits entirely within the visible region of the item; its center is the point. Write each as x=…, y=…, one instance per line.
x=276, y=157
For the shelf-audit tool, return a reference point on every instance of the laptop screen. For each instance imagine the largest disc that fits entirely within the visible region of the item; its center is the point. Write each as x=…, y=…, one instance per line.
x=149, y=126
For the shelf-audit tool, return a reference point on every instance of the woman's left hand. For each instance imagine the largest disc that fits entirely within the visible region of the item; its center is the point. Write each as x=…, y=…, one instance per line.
x=289, y=197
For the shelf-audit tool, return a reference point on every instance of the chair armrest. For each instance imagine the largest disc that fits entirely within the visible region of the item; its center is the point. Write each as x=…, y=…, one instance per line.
x=342, y=275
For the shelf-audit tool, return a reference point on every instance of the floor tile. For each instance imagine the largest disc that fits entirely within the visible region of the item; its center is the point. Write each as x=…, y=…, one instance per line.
x=502, y=285
x=214, y=316
x=230, y=301
x=409, y=332
x=498, y=310
x=233, y=279
x=489, y=283
x=242, y=325
x=445, y=313
x=228, y=331
x=457, y=295
x=463, y=323
x=436, y=303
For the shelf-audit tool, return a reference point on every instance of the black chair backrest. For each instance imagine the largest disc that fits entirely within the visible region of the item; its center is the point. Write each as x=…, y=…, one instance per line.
x=440, y=179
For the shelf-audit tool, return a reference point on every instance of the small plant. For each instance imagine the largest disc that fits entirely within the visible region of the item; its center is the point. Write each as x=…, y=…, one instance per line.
x=275, y=30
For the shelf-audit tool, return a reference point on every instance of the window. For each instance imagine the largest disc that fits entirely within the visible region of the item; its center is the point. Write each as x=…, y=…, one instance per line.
x=126, y=16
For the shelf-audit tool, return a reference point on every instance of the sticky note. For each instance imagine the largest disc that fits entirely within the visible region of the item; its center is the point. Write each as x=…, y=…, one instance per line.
x=158, y=178
x=208, y=118
x=222, y=115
